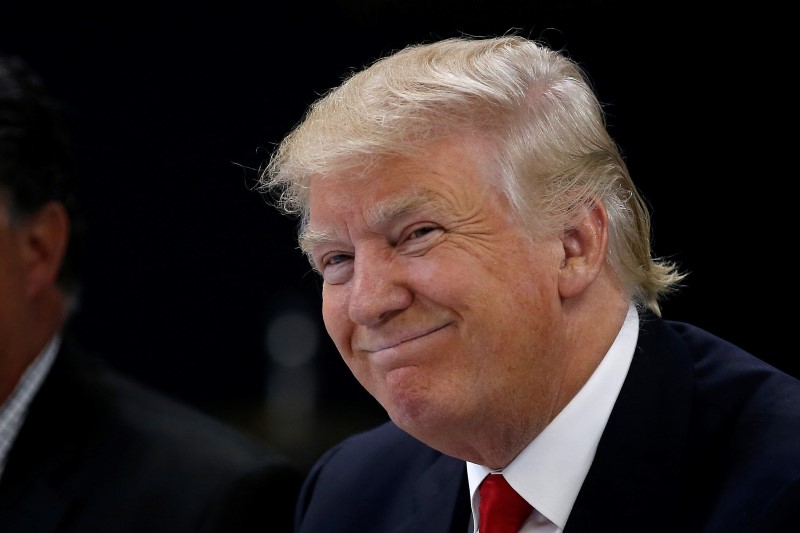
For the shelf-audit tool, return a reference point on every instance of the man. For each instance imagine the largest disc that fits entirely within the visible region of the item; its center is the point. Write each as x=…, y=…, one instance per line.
x=83, y=449
x=488, y=278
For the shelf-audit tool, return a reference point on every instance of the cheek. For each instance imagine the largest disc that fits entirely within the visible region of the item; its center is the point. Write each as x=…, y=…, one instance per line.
x=335, y=317
x=448, y=277
x=340, y=329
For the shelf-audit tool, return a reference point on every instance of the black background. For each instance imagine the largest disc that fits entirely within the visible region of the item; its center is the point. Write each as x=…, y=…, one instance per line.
x=175, y=105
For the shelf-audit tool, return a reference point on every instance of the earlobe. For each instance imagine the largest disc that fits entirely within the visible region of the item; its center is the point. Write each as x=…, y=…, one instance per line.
x=584, y=248
x=46, y=234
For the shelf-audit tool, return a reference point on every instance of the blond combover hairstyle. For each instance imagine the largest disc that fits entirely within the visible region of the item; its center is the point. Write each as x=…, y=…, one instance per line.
x=553, y=155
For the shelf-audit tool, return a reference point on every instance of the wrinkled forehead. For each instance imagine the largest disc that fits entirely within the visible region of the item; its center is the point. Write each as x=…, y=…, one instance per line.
x=410, y=151
x=375, y=186
x=434, y=180
x=376, y=214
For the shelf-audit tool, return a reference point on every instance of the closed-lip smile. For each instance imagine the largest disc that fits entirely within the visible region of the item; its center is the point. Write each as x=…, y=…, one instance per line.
x=388, y=343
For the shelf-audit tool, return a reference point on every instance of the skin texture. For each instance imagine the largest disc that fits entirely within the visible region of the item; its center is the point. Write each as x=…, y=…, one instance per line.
x=471, y=335
x=31, y=304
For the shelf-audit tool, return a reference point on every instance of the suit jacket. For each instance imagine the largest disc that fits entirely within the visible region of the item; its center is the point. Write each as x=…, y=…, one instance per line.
x=100, y=453
x=702, y=438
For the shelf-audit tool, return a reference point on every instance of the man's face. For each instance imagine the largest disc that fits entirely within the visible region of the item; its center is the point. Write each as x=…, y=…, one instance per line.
x=12, y=277
x=440, y=306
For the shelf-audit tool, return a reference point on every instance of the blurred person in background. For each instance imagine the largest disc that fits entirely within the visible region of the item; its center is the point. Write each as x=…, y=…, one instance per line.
x=487, y=275
x=82, y=447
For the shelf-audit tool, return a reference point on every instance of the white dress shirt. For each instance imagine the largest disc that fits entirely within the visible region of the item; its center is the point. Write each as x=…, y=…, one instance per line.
x=14, y=409
x=549, y=472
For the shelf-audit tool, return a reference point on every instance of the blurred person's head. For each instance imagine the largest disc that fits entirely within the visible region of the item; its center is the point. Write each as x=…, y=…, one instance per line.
x=38, y=219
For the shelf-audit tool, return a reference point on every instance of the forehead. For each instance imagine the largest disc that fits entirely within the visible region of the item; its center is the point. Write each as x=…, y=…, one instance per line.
x=439, y=179
x=460, y=161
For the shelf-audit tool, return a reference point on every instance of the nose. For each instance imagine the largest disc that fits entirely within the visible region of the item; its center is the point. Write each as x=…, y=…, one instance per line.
x=379, y=288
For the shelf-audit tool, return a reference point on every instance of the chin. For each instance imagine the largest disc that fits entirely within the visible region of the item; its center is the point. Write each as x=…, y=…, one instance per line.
x=421, y=417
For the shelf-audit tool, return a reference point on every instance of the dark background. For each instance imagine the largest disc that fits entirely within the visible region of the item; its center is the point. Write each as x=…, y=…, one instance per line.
x=193, y=283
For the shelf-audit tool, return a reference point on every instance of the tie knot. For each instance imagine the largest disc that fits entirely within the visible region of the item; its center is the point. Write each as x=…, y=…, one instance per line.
x=502, y=510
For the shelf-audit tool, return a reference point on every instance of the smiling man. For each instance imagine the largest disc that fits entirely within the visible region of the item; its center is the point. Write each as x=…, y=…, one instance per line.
x=488, y=278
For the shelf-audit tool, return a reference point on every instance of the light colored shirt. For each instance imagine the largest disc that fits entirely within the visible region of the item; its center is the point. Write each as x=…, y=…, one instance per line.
x=549, y=472
x=15, y=408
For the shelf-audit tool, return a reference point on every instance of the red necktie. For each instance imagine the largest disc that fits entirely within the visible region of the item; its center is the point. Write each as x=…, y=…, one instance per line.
x=502, y=510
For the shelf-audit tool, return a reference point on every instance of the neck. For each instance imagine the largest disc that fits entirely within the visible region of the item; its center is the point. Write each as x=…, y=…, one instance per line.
x=591, y=324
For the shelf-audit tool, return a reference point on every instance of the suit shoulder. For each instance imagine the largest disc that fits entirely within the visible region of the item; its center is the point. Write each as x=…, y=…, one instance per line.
x=94, y=434
x=746, y=422
x=105, y=408
x=150, y=416
x=735, y=379
x=381, y=469
x=384, y=445
x=380, y=458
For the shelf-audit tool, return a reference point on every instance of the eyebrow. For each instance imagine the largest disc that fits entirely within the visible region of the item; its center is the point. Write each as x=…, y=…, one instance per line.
x=377, y=214
x=310, y=238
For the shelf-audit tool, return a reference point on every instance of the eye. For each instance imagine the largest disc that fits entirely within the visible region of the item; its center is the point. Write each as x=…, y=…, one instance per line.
x=336, y=259
x=419, y=239
x=336, y=268
x=421, y=232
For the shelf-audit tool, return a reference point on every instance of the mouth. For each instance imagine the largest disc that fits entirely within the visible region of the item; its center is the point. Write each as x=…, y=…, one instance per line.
x=381, y=345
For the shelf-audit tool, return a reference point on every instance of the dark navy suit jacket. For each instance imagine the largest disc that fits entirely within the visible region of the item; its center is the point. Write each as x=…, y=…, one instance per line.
x=97, y=453
x=704, y=437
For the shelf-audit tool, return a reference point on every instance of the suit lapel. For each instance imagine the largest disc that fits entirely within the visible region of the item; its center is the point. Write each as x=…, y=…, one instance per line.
x=41, y=509
x=638, y=470
x=38, y=483
x=441, y=501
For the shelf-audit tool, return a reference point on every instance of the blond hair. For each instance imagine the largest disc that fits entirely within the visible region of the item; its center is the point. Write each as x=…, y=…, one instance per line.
x=553, y=153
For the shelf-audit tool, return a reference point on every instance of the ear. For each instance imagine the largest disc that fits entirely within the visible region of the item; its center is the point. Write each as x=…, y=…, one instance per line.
x=584, y=248
x=45, y=235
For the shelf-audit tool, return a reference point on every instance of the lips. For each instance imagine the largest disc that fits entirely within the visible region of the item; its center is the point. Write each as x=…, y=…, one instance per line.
x=377, y=341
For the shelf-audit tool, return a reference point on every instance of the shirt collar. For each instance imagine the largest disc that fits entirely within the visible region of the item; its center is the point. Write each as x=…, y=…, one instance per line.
x=15, y=408
x=549, y=472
